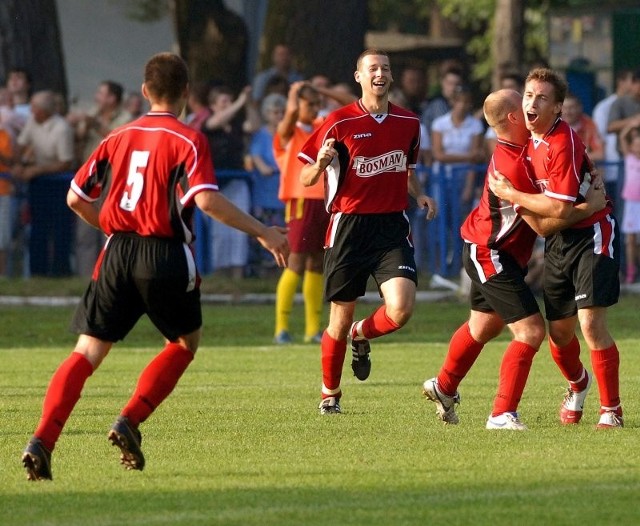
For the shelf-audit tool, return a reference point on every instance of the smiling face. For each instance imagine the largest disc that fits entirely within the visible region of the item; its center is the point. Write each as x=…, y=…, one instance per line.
x=374, y=75
x=540, y=106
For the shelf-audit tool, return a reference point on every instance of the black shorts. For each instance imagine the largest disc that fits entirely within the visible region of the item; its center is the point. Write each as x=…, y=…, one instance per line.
x=581, y=269
x=363, y=245
x=136, y=276
x=505, y=293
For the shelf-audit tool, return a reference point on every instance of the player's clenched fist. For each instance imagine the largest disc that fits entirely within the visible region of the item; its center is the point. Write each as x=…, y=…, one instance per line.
x=326, y=153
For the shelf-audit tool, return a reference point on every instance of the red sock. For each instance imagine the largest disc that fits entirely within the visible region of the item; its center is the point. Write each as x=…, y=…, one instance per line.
x=462, y=354
x=157, y=381
x=62, y=395
x=333, y=353
x=378, y=324
x=514, y=371
x=567, y=359
x=606, y=365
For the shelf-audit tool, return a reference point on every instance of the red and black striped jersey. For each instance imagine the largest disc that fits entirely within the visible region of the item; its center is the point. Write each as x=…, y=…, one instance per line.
x=563, y=169
x=145, y=175
x=370, y=173
x=495, y=223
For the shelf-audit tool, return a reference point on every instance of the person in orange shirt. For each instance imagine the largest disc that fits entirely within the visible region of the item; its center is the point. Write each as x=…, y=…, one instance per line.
x=6, y=189
x=305, y=215
x=584, y=126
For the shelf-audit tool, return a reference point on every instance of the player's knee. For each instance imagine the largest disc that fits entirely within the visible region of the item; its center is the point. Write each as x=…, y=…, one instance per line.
x=399, y=315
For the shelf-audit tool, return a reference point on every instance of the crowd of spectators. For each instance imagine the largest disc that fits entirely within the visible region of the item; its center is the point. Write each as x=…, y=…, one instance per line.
x=41, y=143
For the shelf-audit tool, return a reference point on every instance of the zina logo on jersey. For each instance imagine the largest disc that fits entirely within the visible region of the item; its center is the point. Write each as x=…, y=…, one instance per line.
x=395, y=161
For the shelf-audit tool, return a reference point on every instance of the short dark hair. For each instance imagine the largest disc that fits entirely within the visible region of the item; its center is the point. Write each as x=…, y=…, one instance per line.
x=560, y=86
x=370, y=51
x=166, y=76
x=115, y=89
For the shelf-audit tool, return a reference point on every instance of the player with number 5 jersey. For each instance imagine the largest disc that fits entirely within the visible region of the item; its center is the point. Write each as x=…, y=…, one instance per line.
x=140, y=187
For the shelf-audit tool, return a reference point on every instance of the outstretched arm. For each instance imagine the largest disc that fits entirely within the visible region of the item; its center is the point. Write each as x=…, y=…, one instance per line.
x=273, y=238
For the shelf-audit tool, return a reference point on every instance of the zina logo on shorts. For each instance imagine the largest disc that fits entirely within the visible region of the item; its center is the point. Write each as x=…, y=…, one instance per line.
x=395, y=161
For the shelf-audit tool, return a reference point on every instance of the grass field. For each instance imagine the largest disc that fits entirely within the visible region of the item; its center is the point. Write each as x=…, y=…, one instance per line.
x=240, y=441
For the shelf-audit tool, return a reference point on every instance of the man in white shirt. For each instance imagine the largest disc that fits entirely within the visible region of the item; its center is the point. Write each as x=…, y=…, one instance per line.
x=624, y=81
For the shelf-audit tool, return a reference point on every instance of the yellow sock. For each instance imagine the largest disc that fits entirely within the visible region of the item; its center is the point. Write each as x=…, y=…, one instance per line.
x=312, y=294
x=285, y=294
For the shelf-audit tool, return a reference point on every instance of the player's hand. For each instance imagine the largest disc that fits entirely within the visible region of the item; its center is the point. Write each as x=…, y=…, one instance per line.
x=500, y=185
x=596, y=197
x=293, y=95
x=275, y=241
x=424, y=201
x=326, y=154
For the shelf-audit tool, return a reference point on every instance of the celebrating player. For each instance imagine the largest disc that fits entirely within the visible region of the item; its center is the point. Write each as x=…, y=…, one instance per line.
x=369, y=151
x=147, y=175
x=581, y=263
x=498, y=245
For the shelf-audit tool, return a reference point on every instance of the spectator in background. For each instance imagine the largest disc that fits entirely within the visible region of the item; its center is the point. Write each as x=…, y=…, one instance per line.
x=276, y=84
x=19, y=85
x=630, y=143
x=266, y=174
x=584, y=126
x=227, y=129
x=625, y=108
x=322, y=82
x=624, y=81
x=456, y=142
x=450, y=81
x=282, y=65
x=91, y=128
x=198, y=106
x=413, y=84
x=11, y=121
x=48, y=138
x=6, y=190
x=135, y=104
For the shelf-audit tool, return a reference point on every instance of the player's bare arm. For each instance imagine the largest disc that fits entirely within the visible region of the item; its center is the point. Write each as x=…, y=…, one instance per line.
x=273, y=238
x=422, y=200
x=538, y=203
x=595, y=200
x=84, y=209
x=287, y=125
x=310, y=173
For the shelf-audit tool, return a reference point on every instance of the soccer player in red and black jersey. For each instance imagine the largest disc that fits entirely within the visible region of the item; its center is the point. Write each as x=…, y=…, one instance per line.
x=581, y=263
x=369, y=151
x=499, y=240
x=148, y=175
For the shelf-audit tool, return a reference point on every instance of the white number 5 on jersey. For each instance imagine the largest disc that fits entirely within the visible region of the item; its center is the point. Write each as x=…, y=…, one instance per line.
x=135, y=180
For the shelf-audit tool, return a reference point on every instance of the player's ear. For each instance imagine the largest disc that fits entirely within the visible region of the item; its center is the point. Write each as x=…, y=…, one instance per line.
x=356, y=75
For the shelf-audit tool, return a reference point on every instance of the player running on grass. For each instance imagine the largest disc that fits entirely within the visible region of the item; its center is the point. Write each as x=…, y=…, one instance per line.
x=148, y=176
x=369, y=150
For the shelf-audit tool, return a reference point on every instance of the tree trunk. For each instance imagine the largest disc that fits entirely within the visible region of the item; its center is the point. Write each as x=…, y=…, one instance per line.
x=326, y=36
x=213, y=40
x=30, y=39
x=508, y=44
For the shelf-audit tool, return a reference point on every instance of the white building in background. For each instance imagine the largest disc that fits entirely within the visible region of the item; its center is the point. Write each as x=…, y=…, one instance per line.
x=100, y=43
